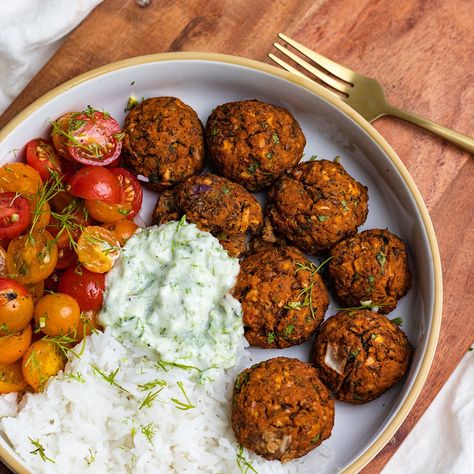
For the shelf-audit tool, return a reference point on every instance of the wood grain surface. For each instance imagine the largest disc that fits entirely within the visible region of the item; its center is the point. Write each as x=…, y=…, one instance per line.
x=420, y=50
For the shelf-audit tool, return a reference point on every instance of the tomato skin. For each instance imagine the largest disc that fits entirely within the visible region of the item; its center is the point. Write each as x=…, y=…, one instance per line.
x=66, y=258
x=32, y=258
x=123, y=230
x=97, y=249
x=95, y=141
x=13, y=347
x=41, y=361
x=43, y=216
x=92, y=182
x=86, y=286
x=11, y=378
x=36, y=290
x=16, y=306
x=58, y=314
x=19, y=178
x=132, y=192
x=107, y=213
x=41, y=155
x=59, y=134
x=14, y=215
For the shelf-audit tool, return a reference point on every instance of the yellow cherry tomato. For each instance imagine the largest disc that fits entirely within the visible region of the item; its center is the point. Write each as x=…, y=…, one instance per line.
x=16, y=306
x=13, y=346
x=11, y=378
x=19, y=178
x=58, y=314
x=97, y=249
x=32, y=258
x=105, y=212
x=41, y=361
x=123, y=229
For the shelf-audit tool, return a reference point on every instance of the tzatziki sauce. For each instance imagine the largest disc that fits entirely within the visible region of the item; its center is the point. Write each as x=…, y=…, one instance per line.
x=169, y=291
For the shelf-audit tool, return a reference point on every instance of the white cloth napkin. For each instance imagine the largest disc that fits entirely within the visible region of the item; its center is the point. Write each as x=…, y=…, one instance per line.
x=443, y=440
x=30, y=33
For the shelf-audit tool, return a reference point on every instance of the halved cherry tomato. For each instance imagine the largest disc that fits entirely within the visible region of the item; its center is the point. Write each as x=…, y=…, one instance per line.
x=11, y=378
x=107, y=213
x=132, y=192
x=40, y=217
x=32, y=257
x=86, y=286
x=66, y=227
x=16, y=306
x=97, y=249
x=123, y=230
x=92, y=182
x=92, y=137
x=58, y=314
x=61, y=200
x=14, y=214
x=66, y=257
x=41, y=361
x=13, y=346
x=36, y=290
x=89, y=320
x=41, y=155
x=19, y=178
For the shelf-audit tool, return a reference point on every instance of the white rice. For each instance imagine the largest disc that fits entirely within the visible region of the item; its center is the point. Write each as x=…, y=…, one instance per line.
x=93, y=426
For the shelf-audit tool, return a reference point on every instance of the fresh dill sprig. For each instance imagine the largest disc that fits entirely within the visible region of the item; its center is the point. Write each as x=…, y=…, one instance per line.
x=40, y=450
x=91, y=458
x=150, y=398
x=64, y=343
x=78, y=377
x=182, y=405
x=243, y=463
x=152, y=384
x=110, y=378
x=148, y=431
x=162, y=364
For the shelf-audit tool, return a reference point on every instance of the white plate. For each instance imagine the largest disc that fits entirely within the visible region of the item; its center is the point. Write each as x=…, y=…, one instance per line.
x=332, y=129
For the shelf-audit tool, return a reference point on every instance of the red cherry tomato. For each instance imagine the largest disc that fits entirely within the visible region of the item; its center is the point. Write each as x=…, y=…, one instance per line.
x=92, y=182
x=66, y=257
x=60, y=133
x=87, y=287
x=93, y=137
x=41, y=155
x=132, y=192
x=15, y=215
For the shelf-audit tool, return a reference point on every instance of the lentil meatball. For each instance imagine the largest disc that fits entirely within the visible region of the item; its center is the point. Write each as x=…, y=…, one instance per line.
x=214, y=204
x=317, y=204
x=280, y=409
x=360, y=354
x=283, y=297
x=372, y=265
x=252, y=142
x=164, y=142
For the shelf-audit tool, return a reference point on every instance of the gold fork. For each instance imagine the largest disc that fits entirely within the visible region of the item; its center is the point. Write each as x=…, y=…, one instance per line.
x=363, y=94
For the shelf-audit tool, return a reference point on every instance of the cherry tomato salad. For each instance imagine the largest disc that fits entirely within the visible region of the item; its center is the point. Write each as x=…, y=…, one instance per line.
x=64, y=215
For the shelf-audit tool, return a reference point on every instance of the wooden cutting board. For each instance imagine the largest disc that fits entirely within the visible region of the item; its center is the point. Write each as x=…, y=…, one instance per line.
x=421, y=51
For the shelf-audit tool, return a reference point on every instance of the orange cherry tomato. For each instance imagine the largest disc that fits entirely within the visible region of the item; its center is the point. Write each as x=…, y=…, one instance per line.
x=40, y=217
x=32, y=258
x=108, y=213
x=97, y=249
x=36, y=290
x=58, y=314
x=59, y=134
x=89, y=323
x=19, y=178
x=66, y=227
x=11, y=378
x=123, y=229
x=41, y=361
x=16, y=306
x=13, y=347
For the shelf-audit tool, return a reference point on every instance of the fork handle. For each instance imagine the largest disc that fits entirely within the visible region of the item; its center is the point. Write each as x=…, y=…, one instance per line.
x=463, y=141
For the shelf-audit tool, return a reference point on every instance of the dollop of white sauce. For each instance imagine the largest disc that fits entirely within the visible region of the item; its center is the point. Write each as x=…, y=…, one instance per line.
x=169, y=291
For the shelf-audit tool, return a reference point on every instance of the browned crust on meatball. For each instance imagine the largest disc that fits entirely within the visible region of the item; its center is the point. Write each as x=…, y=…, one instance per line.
x=372, y=265
x=215, y=205
x=280, y=409
x=164, y=142
x=283, y=297
x=317, y=204
x=360, y=354
x=252, y=142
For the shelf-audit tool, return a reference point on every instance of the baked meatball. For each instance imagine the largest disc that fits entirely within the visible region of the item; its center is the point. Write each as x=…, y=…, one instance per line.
x=280, y=409
x=252, y=142
x=214, y=204
x=163, y=142
x=317, y=204
x=372, y=265
x=283, y=297
x=360, y=354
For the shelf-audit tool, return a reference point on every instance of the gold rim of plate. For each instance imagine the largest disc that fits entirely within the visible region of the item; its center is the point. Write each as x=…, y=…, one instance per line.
x=384, y=437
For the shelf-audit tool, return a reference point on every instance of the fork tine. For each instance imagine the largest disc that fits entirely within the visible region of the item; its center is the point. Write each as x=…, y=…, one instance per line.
x=322, y=76
x=334, y=68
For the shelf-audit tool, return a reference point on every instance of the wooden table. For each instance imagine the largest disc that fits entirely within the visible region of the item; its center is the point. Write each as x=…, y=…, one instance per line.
x=421, y=51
